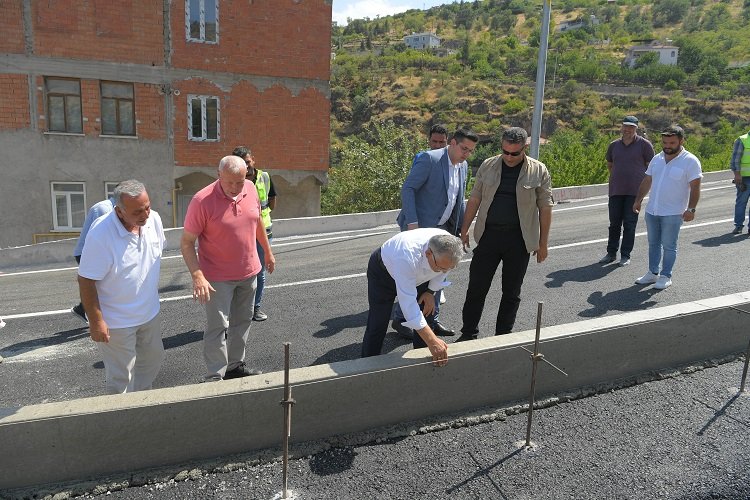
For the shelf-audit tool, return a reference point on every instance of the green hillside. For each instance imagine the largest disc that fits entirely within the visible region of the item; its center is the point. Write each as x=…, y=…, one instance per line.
x=384, y=96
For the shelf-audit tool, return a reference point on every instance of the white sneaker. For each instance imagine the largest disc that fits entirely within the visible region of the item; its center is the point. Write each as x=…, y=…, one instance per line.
x=442, y=297
x=647, y=279
x=663, y=282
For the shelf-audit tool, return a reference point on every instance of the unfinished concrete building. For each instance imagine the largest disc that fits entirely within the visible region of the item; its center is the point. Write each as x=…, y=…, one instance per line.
x=95, y=92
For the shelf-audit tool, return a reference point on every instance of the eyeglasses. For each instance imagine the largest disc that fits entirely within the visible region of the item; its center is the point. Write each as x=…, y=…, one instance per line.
x=513, y=153
x=434, y=261
x=466, y=149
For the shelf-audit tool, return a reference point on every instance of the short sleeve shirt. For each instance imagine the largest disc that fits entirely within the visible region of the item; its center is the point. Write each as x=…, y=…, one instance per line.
x=226, y=230
x=126, y=269
x=629, y=164
x=670, y=183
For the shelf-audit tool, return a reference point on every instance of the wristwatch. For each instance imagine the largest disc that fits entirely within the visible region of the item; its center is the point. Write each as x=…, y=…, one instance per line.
x=691, y=210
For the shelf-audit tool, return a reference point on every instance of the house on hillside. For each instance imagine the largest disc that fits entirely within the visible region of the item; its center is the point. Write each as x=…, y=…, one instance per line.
x=422, y=41
x=96, y=92
x=667, y=53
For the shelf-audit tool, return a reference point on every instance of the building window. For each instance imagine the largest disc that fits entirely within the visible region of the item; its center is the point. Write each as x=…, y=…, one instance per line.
x=109, y=189
x=673, y=53
x=203, y=118
x=118, y=108
x=68, y=205
x=64, y=105
x=202, y=20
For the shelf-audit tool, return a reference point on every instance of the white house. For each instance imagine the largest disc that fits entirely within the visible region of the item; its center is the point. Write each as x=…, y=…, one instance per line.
x=667, y=53
x=422, y=41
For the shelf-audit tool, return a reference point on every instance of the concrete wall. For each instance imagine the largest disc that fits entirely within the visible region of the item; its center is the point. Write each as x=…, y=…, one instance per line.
x=60, y=251
x=30, y=161
x=75, y=440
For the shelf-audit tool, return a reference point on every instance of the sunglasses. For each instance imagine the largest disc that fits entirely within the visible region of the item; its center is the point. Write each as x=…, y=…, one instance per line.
x=512, y=153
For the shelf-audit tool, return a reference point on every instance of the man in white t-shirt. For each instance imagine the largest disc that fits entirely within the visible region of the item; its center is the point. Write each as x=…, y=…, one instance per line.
x=674, y=179
x=119, y=284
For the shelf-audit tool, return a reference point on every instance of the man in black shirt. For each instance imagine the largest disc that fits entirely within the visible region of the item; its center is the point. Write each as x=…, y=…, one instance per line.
x=512, y=196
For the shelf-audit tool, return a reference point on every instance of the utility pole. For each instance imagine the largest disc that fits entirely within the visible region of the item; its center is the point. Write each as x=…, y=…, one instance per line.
x=541, y=72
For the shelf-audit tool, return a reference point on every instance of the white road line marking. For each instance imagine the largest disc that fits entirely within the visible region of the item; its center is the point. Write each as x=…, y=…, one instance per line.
x=179, y=256
x=358, y=275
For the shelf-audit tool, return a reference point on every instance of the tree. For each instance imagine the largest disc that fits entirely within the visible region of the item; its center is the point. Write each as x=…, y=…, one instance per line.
x=669, y=12
x=369, y=173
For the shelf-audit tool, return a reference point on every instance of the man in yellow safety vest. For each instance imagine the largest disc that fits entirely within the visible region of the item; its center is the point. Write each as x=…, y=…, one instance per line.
x=740, y=165
x=267, y=196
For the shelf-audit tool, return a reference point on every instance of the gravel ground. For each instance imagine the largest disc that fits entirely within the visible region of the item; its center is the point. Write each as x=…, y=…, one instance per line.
x=685, y=437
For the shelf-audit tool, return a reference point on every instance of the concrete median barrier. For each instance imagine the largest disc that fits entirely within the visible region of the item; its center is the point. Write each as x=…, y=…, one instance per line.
x=88, y=438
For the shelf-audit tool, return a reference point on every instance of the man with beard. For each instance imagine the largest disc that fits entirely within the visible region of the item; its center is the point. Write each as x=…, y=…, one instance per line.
x=675, y=174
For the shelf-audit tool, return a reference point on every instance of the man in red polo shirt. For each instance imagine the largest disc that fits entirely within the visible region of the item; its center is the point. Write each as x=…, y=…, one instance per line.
x=224, y=217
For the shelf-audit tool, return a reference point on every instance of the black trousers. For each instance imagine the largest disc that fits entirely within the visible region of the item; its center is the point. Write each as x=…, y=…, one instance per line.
x=381, y=293
x=621, y=215
x=498, y=244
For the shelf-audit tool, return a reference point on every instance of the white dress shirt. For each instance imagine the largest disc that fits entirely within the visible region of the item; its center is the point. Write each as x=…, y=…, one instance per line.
x=670, y=183
x=453, y=186
x=405, y=259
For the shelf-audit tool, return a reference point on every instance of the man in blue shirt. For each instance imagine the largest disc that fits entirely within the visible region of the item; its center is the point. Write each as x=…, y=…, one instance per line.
x=102, y=208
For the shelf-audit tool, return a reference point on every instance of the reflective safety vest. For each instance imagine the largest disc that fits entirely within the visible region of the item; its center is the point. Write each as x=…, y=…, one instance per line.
x=745, y=158
x=263, y=186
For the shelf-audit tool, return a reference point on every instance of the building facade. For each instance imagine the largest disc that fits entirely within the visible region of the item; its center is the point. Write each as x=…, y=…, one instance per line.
x=95, y=92
x=668, y=54
x=422, y=41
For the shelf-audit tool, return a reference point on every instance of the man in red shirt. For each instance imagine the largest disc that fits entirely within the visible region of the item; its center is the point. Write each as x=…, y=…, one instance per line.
x=224, y=217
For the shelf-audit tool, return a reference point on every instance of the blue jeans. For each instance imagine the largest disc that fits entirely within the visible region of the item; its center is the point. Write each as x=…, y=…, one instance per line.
x=740, y=203
x=261, y=274
x=663, y=231
x=621, y=217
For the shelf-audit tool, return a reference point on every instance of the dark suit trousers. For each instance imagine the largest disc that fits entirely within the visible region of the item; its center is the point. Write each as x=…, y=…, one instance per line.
x=497, y=245
x=381, y=293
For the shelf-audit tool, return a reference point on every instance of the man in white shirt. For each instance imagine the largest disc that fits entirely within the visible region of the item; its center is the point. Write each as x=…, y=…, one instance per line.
x=433, y=196
x=412, y=266
x=119, y=284
x=675, y=175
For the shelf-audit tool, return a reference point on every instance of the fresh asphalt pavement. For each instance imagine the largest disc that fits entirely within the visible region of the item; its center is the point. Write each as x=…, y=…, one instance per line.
x=317, y=299
x=684, y=437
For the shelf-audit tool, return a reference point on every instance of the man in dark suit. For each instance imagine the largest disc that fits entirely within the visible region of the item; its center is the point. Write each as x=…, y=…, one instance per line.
x=433, y=196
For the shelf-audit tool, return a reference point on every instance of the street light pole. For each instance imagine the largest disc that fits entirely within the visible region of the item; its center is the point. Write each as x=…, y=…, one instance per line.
x=541, y=72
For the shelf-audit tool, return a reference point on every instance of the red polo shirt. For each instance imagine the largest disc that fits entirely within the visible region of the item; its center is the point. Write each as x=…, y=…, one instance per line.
x=226, y=232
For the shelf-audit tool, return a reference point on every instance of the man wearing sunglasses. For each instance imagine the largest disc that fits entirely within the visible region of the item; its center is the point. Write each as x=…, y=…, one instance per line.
x=433, y=196
x=412, y=266
x=512, y=196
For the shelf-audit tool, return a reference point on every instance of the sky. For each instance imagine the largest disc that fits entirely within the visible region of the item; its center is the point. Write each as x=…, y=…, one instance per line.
x=359, y=9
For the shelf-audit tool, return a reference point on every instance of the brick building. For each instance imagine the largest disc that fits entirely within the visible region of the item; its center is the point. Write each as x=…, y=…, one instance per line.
x=94, y=92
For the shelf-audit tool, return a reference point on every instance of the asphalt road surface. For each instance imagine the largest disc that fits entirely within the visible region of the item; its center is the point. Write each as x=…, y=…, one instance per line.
x=683, y=438
x=317, y=299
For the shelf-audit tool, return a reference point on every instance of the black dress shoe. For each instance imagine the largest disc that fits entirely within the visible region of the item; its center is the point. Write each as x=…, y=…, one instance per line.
x=442, y=331
x=466, y=336
x=241, y=371
x=401, y=330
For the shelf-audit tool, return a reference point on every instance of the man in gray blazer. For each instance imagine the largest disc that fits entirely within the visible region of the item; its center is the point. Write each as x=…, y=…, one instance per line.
x=433, y=196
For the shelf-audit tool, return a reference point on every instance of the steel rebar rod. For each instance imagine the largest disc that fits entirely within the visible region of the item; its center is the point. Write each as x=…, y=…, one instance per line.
x=744, y=370
x=534, y=361
x=287, y=403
